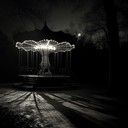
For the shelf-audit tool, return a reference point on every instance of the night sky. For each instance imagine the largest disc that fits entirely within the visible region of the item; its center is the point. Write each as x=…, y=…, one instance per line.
x=74, y=16
x=67, y=15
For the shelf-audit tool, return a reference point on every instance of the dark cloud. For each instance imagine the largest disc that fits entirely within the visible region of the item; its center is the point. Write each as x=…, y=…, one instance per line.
x=72, y=15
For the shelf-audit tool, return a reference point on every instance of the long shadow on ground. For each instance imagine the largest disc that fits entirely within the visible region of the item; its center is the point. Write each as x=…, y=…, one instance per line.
x=78, y=120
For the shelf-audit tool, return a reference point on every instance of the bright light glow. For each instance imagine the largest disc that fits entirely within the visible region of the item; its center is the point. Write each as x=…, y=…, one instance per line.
x=50, y=45
x=45, y=47
x=79, y=34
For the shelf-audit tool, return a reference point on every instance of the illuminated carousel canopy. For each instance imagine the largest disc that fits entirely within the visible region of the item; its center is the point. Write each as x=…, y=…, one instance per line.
x=49, y=45
x=45, y=42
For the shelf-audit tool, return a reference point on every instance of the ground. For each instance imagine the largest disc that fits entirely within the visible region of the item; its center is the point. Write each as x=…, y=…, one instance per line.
x=79, y=107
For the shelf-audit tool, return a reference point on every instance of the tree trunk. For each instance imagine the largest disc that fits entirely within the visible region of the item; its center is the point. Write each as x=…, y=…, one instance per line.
x=113, y=35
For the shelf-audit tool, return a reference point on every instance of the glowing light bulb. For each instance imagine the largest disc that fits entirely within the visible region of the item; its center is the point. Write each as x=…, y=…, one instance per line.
x=79, y=34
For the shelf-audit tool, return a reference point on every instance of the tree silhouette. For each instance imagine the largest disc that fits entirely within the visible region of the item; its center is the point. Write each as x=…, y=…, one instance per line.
x=113, y=35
